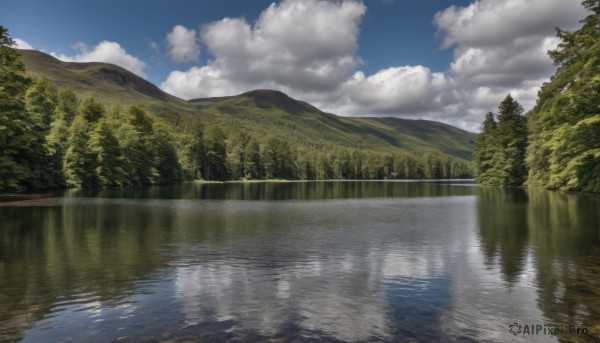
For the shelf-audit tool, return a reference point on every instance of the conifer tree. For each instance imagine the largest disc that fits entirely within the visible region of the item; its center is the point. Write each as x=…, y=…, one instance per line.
x=252, y=162
x=105, y=152
x=564, y=150
x=18, y=140
x=215, y=167
x=500, y=149
x=78, y=165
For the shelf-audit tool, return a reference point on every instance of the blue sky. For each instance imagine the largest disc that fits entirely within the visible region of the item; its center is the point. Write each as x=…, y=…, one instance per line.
x=447, y=60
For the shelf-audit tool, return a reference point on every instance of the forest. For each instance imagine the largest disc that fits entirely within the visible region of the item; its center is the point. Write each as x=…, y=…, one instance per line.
x=50, y=138
x=556, y=145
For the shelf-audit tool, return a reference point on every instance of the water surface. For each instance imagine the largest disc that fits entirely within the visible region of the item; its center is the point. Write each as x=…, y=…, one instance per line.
x=377, y=261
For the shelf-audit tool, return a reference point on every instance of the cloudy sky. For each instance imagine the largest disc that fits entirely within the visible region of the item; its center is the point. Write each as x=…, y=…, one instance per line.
x=451, y=60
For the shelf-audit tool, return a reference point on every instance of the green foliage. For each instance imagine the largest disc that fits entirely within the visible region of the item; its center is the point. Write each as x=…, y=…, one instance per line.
x=215, y=167
x=166, y=159
x=106, y=156
x=78, y=164
x=67, y=104
x=564, y=149
x=18, y=141
x=499, y=152
x=253, y=168
x=41, y=100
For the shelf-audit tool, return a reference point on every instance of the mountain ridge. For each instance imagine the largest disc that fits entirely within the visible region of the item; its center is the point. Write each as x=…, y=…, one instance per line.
x=260, y=111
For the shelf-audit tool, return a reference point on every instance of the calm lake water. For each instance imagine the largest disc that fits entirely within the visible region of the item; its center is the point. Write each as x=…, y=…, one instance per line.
x=302, y=262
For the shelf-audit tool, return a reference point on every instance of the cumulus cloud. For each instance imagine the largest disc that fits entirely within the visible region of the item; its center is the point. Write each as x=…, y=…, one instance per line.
x=21, y=44
x=293, y=44
x=493, y=23
x=183, y=44
x=408, y=89
x=108, y=52
x=499, y=48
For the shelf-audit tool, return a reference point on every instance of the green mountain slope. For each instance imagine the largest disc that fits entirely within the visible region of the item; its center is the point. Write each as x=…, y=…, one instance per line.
x=107, y=83
x=273, y=112
x=259, y=113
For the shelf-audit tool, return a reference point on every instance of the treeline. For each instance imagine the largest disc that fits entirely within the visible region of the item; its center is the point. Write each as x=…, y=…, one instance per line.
x=557, y=144
x=49, y=138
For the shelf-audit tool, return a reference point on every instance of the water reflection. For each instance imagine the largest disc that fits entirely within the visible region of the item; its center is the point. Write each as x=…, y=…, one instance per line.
x=503, y=229
x=565, y=235
x=345, y=261
x=549, y=241
x=311, y=190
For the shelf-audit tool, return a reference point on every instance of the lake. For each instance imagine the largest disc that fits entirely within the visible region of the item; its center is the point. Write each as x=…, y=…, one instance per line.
x=338, y=261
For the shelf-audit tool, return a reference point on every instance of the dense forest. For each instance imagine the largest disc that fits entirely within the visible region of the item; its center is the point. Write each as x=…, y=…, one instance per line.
x=50, y=138
x=556, y=145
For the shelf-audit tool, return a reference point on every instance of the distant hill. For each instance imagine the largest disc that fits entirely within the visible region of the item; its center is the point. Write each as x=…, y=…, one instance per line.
x=106, y=82
x=259, y=112
x=267, y=110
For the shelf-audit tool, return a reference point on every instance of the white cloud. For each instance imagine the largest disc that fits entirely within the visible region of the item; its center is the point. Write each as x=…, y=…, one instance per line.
x=508, y=64
x=108, y=52
x=307, y=48
x=405, y=89
x=292, y=45
x=500, y=47
x=183, y=45
x=493, y=23
x=21, y=44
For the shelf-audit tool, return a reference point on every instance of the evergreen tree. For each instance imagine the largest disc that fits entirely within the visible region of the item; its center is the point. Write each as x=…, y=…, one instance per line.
x=167, y=163
x=191, y=150
x=135, y=138
x=500, y=149
x=67, y=105
x=56, y=140
x=236, y=146
x=215, y=167
x=41, y=100
x=485, y=147
x=564, y=150
x=18, y=141
x=512, y=138
x=78, y=166
x=252, y=161
x=56, y=144
x=278, y=160
x=92, y=110
x=105, y=152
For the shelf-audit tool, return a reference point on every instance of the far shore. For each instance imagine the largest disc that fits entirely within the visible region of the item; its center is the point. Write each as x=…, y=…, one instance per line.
x=247, y=181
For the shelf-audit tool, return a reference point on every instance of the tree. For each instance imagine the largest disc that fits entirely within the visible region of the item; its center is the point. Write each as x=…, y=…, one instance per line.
x=564, y=149
x=66, y=106
x=56, y=143
x=485, y=147
x=92, y=110
x=41, y=100
x=278, y=160
x=252, y=162
x=190, y=146
x=215, y=167
x=500, y=148
x=167, y=163
x=105, y=152
x=79, y=164
x=20, y=143
x=135, y=138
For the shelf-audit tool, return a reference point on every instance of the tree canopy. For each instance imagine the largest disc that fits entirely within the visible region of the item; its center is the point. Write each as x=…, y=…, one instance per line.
x=557, y=144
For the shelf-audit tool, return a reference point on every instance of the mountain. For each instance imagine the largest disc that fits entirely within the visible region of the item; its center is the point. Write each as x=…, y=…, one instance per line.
x=106, y=82
x=259, y=112
x=260, y=109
